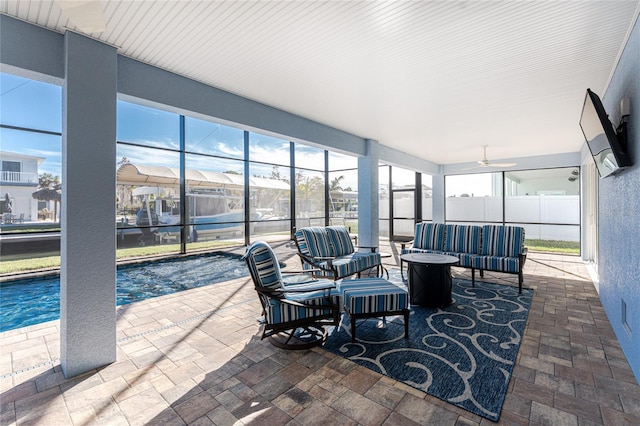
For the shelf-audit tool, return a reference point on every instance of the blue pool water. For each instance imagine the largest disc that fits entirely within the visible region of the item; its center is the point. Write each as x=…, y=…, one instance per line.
x=35, y=300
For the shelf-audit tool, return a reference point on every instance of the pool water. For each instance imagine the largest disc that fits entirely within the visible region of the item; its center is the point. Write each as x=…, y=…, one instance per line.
x=35, y=300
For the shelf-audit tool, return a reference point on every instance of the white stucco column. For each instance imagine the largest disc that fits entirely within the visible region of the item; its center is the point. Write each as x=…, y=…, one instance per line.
x=438, y=194
x=88, y=246
x=368, y=205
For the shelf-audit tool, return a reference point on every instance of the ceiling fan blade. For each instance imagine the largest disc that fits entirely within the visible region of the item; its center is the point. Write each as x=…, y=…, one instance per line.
x=501, y=164
x=86, y=15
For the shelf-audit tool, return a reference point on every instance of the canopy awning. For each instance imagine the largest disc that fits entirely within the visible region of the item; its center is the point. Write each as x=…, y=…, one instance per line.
x=134, y=174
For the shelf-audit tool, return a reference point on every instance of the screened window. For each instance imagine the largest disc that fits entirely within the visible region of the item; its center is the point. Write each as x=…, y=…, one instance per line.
x=147, y=199
x=427, y=197
x=547, y=204
x=308, y=157
x=343, y=190
x=31, y=170
x=206, y=137
x=268, y=149
x=147, y=126
x=403, y=183
x=214, y=193
x=270, y=191
x=30, y=104
x=384, y=198
x=474, y=198
x=310, y=196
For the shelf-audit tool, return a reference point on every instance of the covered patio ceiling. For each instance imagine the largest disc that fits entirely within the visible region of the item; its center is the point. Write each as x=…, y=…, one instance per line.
x=435, y=79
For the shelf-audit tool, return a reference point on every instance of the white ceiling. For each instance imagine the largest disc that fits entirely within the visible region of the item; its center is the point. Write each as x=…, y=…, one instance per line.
x=436, y=79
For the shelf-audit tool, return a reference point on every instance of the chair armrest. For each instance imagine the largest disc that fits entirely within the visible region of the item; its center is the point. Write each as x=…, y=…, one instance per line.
x=312, y=260
x=292, y=288
x=298, y=304
x=270, y=292
x=523, y=256
x=404, y=245
x=304, y=271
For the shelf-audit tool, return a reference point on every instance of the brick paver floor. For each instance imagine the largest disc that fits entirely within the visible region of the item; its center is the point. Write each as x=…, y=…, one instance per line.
x=196, y=358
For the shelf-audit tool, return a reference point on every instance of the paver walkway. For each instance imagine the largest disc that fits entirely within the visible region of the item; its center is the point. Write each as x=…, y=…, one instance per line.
x=195, y=357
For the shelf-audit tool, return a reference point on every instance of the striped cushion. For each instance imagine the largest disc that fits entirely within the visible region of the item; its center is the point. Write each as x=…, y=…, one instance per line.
x=466, y=259
x=263, y=265
x=317, y=241
x=356, y=262
x=462, y=239
x=372, y=295
x=340, y=240
x=302, y=243
x=497, y=263
x=277, y=312
x=429, y=236
x=310, y=285
x=502, y=241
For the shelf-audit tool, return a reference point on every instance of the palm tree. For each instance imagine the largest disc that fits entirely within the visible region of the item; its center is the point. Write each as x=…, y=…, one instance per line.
x=47, y=180
x=335, y=184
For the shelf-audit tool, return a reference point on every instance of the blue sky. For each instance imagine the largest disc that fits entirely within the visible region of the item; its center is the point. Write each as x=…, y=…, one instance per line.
x=36, y=105
x=32, y=104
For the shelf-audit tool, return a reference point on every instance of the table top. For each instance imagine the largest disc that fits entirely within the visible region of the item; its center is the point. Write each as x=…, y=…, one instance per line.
x=430, y=258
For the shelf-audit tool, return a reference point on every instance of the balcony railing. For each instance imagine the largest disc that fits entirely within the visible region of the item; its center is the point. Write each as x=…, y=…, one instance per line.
x=18, y=177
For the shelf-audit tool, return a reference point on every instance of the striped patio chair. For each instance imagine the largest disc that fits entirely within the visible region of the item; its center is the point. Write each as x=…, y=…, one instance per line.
x=330, y=252
x=294, y=314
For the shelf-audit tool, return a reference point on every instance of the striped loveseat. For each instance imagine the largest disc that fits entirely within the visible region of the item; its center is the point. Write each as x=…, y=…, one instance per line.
x=329, y=250
x=496, y=248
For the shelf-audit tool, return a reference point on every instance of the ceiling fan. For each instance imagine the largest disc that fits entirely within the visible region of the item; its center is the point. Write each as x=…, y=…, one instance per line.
x=486, y=163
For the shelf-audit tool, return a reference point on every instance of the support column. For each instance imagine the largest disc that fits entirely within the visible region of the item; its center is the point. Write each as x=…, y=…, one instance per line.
x=438, y=195
x=368, y=203
x=88, y=245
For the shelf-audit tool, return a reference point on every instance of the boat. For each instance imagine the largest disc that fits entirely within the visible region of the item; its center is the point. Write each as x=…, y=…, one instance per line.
x=214, y=202
x=212, y=214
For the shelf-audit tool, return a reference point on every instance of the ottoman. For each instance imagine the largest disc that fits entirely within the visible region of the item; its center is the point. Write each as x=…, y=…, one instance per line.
x=373, y=297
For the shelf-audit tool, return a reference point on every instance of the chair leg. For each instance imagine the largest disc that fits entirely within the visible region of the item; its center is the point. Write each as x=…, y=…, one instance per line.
x=353, y=328
x=520, y=281
x=406, y=324
x=473, y=277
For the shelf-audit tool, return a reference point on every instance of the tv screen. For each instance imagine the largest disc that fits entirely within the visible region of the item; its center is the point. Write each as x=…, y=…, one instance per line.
x=601, y=137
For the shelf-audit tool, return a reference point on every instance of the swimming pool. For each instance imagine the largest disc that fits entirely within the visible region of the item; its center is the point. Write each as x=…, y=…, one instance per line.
x=32, y=301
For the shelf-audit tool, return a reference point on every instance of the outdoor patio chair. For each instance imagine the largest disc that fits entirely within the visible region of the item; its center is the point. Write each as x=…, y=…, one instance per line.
x=295, y=313
x=329, y=250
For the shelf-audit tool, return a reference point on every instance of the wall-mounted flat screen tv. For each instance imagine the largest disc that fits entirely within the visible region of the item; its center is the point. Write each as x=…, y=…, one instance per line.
x=601, y=137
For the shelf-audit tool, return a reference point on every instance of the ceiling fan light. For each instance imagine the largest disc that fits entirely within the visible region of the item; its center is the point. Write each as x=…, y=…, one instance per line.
x=86, y=15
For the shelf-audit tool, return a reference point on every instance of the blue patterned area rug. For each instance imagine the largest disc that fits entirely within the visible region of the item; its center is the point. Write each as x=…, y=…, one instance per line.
x=463, y=354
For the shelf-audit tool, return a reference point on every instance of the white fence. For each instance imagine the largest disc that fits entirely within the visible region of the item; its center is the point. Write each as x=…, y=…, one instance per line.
x=563, y=210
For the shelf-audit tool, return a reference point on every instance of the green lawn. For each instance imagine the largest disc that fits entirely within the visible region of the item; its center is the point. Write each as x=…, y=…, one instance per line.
x=29, y=227
x=53, y=262
x=552, y=246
